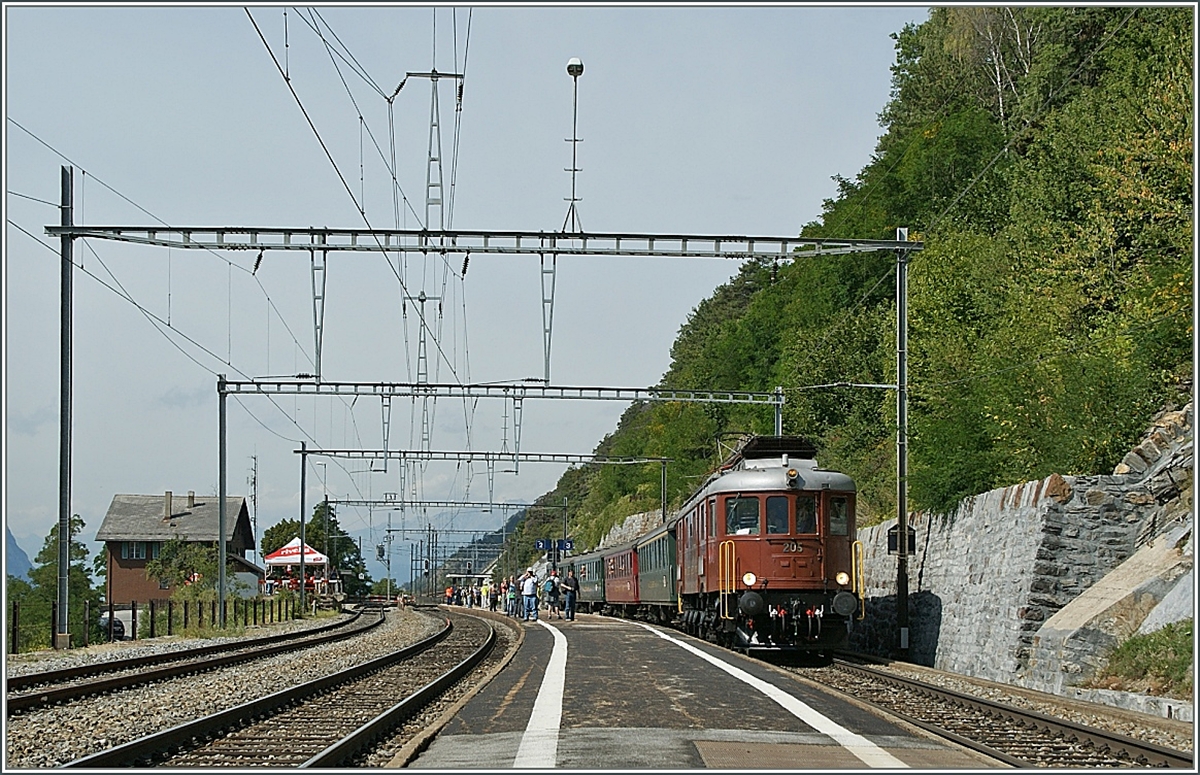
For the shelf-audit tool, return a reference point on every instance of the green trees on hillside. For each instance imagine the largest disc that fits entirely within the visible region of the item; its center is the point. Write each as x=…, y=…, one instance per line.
x=1044, y=157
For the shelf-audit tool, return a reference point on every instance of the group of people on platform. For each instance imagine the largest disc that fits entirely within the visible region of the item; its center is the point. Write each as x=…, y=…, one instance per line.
x=522, y=597
x=313, y=584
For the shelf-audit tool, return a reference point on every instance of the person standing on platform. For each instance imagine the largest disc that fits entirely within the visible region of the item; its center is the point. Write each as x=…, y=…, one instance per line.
x=550, y=595
x=511, y=601
x=529, y=590
x=570, y=589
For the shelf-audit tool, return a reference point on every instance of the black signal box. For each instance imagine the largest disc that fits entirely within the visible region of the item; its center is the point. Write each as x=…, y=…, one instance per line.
x=894, y=540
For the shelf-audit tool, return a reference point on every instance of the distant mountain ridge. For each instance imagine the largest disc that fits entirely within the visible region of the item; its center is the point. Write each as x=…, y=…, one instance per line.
x=16, y=562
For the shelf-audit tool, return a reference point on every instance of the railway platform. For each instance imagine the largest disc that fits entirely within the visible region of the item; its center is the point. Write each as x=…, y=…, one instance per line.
x=605, y=693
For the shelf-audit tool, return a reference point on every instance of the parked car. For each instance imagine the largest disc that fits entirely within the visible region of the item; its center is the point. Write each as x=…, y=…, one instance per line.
x=118, y=627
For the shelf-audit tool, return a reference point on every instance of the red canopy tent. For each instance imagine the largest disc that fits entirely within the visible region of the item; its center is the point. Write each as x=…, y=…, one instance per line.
x=289, y=554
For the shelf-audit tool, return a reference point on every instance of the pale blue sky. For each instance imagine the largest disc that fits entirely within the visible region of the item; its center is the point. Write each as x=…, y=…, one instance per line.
x=699, y=120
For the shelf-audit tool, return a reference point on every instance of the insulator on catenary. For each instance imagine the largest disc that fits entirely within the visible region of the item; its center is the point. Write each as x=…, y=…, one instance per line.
x=466, y=260
x=257, y=263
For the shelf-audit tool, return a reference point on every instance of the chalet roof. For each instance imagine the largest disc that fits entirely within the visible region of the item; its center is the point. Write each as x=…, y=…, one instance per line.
x=142, y=518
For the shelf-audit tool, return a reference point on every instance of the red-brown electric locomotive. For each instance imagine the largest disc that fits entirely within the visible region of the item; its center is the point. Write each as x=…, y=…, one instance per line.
x=762, y=557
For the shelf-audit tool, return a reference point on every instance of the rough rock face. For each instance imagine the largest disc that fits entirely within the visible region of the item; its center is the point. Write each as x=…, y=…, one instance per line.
x=1005, y=564
x=633, y=526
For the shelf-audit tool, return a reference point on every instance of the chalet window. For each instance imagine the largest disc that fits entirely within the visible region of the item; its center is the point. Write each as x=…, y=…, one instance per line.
x=137, y=550
x=154, y=547
x=124, y=550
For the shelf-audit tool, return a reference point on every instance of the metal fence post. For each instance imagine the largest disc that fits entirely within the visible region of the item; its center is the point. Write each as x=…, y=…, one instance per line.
x=153, y=613
x=133, y=618
x=16, y=627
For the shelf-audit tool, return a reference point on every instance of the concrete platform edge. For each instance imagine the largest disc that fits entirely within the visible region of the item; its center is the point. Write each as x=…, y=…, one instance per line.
x=414, y=747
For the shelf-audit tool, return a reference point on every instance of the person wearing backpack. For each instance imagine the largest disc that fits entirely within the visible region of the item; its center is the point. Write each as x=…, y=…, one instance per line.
x=550, y=595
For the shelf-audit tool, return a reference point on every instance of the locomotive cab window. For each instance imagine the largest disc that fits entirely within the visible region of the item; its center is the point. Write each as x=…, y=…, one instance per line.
x=839, y=515
x=777, y=515
x=741, y=516
x=806, y=514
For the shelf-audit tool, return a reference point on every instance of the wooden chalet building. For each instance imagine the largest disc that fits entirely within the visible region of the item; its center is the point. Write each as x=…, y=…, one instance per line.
x=136, y=527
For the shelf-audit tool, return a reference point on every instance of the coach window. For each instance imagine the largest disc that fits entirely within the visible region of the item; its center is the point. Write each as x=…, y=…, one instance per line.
x=839, y=516
x=741, y=516
x=712, y=516
x=806, y=514
x=777, y=515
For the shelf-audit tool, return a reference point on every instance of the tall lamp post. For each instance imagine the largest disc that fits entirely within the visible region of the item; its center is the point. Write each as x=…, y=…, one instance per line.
x=574, y=69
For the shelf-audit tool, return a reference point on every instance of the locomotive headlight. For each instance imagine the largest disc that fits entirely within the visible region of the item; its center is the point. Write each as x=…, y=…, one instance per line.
x=842, y=578
x=791, y=477
x=749, y=578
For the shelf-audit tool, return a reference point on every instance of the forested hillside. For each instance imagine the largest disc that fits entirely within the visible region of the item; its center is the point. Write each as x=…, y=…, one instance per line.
x=1044, y=158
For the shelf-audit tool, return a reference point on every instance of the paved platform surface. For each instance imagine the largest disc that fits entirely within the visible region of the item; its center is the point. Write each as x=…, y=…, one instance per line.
x=604, y=693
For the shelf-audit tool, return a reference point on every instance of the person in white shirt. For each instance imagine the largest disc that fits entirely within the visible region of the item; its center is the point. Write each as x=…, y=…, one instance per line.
x=529, y=590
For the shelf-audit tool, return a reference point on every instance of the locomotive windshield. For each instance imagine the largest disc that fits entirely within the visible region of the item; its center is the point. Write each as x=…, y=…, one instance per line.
x=839, y=516
x=777, y=515
x=741, y=516
x=806, y=514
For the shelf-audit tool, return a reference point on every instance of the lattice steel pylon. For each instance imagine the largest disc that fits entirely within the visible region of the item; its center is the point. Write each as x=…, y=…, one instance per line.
x=435, y=221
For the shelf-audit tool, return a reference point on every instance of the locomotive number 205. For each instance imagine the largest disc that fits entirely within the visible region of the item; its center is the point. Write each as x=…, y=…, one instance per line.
x=793, y=546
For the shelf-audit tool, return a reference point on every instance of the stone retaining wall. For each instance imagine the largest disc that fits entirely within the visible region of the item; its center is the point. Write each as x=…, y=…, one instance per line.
x=998, y=567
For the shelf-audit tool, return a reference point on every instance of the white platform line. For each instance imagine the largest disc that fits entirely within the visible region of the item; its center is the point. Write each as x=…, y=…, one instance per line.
x=866, y=751
x=539, y=744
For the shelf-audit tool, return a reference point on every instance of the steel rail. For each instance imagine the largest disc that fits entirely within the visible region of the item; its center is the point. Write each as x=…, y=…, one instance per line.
x=146, y=749
x=1137, y=750
x=341, y=753
x=50, y=696
x=22, y=682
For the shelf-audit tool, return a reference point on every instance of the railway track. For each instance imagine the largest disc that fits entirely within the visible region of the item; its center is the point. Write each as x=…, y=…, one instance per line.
x=50, y=687
x=328, y=722
x=1016, y=737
